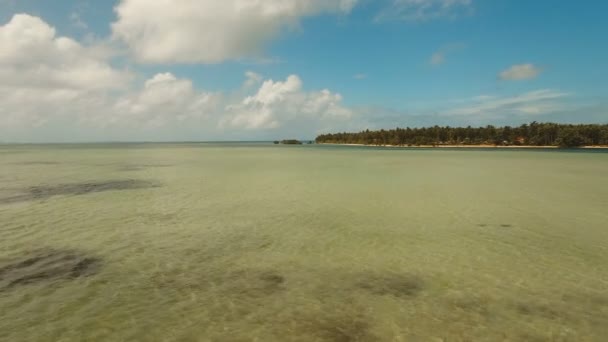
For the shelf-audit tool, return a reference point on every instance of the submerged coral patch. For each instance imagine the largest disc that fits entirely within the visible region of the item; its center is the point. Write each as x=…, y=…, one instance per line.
x=43, y=192
x=47, y=266
x=344, y=329
x=337, y=324
x=502, y=225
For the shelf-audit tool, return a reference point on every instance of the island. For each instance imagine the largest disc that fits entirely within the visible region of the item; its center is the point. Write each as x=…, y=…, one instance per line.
x=527, y=135
x=288, y=142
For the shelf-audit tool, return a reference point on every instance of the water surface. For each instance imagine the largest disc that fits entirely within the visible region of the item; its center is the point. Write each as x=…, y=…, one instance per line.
x=244, y=242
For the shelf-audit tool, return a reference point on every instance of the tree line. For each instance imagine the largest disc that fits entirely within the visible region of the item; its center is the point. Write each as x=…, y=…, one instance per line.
x=533, y=134
x=288, y=142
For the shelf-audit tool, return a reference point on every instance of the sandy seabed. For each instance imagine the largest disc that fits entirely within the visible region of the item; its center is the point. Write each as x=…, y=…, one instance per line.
x=211, y=242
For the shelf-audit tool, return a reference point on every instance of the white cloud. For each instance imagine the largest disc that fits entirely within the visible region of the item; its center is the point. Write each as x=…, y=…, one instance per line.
x=424, y=10
x=163, y=99
x=360, y=76
x=278, y=103
x=520, y=72
x=210, y=31
x=55, y=83
x=252, y=79
x=44, y=73
x=58, y=89
x=32, y=54
x=534, y=102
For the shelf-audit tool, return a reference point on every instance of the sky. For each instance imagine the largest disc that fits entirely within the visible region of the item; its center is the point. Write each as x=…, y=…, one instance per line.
x=225, y=70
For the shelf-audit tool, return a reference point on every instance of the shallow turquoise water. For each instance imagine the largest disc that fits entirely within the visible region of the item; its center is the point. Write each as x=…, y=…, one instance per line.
x=244, y=242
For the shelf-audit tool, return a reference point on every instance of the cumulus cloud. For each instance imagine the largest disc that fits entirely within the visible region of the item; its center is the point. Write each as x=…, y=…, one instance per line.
x=163, y=99
x=44, y=73
x=58, y=89
x=54, y=82
x=520, y=72
x=32, y=54
x=210, y=31
x=279, y=102
x=425, y=10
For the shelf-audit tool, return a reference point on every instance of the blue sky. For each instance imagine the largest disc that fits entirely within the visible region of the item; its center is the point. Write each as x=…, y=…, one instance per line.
x=355, y=65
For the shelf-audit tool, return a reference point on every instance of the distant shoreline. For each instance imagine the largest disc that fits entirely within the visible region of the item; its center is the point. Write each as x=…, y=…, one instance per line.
x=469, y=146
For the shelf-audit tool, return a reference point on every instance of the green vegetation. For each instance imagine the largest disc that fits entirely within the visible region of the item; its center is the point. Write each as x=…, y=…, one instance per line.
x=533, y=134
x=291, y=142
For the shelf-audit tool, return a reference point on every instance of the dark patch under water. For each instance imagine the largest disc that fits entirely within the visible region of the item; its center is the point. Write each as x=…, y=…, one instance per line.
x=47, y=266
x=74, y=189
x=348, y=325
x=344, y=330
x=539, y=310
x=253, y=283
x=272, y=278
x=398, y=285
x=503, y=225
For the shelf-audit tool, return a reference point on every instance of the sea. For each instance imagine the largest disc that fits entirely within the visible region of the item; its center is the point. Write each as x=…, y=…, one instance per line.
x=264, y=242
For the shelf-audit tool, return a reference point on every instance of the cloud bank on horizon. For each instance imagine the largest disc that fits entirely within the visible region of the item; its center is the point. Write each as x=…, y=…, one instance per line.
x=144, y=79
